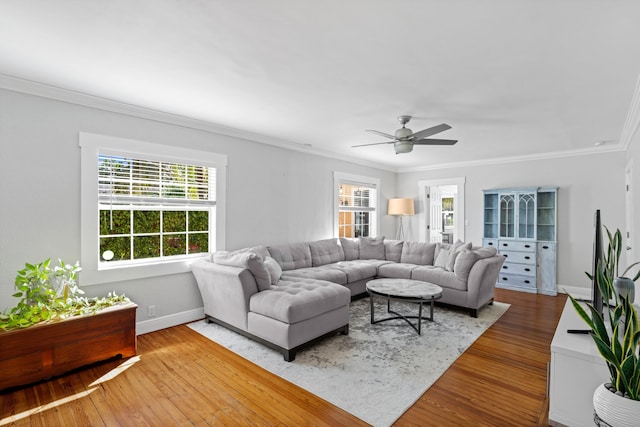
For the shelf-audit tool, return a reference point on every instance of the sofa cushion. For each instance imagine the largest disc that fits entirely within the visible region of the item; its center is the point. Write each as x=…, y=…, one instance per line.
x=439, y=276
x=323, y=272
x=356, y=270
x=275, y=271
x=393, y=250
x=485, y=252
x=372, y=248
x=420, y=253
x=396, y=270
x=291, y=256
x=295, y=301
x=246, y=258
x=446, y=259
x=351, y=248
x=463, y=264
x=325, y=252
x=457, y=246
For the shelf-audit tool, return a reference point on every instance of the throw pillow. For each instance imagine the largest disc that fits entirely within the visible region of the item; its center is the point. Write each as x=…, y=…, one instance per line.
x=421, y=253
x=446, y=259
x=464, y=262
x=246, y=258
x=275, y=271
x=485, y=252
x=393, y=249
x=372, y=248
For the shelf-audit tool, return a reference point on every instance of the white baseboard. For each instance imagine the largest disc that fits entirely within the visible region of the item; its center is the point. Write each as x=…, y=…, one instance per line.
x=575, y=291
x=163, y=322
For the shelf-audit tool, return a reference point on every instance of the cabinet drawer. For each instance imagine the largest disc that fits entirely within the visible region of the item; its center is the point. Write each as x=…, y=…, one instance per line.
x=519, y=257
x=490, y=242
x=507, y=245
x=517, y=281
x=521, y=269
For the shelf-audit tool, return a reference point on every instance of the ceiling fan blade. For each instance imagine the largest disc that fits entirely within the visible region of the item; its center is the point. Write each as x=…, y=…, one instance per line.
x=375, y=143
x=435, y=141
x=386, y=135
x=431, y=131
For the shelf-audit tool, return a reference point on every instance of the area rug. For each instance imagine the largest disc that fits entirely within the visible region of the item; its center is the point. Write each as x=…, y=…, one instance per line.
x=377, y=371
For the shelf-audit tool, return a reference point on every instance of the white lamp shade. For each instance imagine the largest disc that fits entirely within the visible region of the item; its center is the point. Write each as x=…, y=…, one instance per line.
x=400, y=207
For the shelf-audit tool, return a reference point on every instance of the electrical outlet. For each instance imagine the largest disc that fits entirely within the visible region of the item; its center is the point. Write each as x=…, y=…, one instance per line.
x=151, y=311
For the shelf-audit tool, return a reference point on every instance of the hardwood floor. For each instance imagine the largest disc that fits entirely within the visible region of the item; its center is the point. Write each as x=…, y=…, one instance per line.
x=182, y=378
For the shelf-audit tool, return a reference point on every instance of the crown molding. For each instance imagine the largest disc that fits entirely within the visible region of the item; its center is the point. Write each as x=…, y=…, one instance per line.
x=516, y=159
x=43, y=90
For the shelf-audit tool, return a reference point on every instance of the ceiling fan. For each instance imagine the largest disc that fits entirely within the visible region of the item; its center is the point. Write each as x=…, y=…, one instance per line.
x=404, y=138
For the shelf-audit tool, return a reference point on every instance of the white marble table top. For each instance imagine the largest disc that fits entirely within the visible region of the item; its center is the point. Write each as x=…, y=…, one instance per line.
x=404, y=288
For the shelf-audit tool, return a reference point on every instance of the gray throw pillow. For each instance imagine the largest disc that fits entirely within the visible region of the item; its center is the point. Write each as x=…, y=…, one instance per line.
x=275, y=271
x=246, y=258
x=393, y=250
x=463, y=264
x=446, y=259
x=351, y=248
x=372, y=248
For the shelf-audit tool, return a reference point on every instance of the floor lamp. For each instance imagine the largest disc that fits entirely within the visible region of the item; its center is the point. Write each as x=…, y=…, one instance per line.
x=401, y=207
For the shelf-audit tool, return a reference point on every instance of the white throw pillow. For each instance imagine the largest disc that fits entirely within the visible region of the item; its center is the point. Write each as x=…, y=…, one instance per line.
x=275, y=271
x=446, y=259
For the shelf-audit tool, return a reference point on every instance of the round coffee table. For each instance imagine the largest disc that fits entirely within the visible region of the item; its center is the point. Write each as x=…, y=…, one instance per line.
x=406, y=290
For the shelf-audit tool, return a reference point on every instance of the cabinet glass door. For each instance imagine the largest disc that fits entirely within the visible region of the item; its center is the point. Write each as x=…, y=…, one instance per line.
x=507, y=215
x=491, y=216
x=547, y=216
x=527, y=216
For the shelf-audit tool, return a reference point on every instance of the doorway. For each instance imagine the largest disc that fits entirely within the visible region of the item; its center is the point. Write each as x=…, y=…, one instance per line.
x=441, y=217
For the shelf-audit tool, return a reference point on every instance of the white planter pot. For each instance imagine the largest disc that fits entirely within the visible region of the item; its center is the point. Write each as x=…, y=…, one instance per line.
x=615, y=410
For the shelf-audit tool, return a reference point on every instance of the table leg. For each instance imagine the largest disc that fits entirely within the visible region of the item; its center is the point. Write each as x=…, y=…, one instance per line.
x=371, y=307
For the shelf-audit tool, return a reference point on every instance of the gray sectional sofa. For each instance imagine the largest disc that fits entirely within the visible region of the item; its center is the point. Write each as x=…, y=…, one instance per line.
x=287, y=296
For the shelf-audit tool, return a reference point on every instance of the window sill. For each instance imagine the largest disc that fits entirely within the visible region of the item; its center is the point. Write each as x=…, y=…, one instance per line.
x=95, y=276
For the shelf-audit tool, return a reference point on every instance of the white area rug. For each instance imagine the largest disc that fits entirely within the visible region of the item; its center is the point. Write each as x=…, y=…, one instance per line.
x=377, y=371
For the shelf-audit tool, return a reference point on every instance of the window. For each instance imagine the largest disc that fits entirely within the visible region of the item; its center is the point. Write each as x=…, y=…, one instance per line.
x=356, y=197
x=157, y=208
x=152, y=209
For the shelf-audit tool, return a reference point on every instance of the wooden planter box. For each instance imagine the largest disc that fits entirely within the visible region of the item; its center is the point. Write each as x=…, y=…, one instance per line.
x=43, y=351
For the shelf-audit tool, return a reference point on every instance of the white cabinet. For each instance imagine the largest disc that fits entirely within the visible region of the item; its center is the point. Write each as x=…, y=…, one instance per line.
x=521, y=224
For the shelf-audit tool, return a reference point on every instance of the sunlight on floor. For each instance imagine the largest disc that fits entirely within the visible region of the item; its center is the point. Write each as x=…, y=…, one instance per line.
x=93, y=387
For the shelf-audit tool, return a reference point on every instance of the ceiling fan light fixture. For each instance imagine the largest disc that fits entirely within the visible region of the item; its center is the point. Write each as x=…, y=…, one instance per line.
x=403, y=147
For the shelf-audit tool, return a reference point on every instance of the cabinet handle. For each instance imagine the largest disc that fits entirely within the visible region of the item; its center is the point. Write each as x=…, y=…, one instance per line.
x=490, y=243
x=504, y=267
x=526, y=281
x=545, y=247
x=527, y=257
x=527, y=269
x=527, y=246
x=505, y=255
x=504, y=278
x=505, y=244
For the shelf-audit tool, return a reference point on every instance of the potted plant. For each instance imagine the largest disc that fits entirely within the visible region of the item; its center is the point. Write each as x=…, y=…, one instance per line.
x=54, y=328
x=617, y=339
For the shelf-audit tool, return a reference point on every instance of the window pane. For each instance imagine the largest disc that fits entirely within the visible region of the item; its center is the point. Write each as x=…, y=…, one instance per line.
x=146, y=247
x=198, y=243
x=173, y=221
x=174, y=244
x=120, y=246
x=114, y=222
x=146, y=221
x=198, y=221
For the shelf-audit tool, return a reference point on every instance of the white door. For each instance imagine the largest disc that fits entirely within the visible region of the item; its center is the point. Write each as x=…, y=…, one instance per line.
x=435, y=214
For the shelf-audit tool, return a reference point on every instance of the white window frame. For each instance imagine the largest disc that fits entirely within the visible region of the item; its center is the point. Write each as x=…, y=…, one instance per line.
x=91, y=145
x=347, y=178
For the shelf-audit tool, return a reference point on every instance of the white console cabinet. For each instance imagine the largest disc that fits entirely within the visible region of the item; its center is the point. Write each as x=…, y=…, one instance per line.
x=576, y=370
x=521, y=224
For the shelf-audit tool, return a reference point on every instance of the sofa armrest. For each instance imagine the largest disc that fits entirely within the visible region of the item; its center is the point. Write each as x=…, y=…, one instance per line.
x=482, y=280
x=225, y=291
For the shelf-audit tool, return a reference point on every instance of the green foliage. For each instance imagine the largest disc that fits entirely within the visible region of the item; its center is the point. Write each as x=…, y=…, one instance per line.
x=46, y=295
x=620, y=348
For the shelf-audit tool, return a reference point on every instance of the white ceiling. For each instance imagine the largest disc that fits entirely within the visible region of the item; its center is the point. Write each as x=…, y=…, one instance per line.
x=512, y=77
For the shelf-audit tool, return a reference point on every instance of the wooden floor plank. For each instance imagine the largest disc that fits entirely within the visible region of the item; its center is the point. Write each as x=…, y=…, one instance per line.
x=181, y=378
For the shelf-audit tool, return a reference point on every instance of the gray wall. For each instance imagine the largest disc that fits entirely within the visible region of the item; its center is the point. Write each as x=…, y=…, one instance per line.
x=274, y=195
x=586, y=183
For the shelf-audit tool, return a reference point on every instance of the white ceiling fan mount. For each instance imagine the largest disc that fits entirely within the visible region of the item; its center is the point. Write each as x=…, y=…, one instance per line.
x=404, y=138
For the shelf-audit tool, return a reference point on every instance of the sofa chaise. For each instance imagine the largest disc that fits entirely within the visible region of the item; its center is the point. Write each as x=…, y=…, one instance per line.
x=288, y=296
